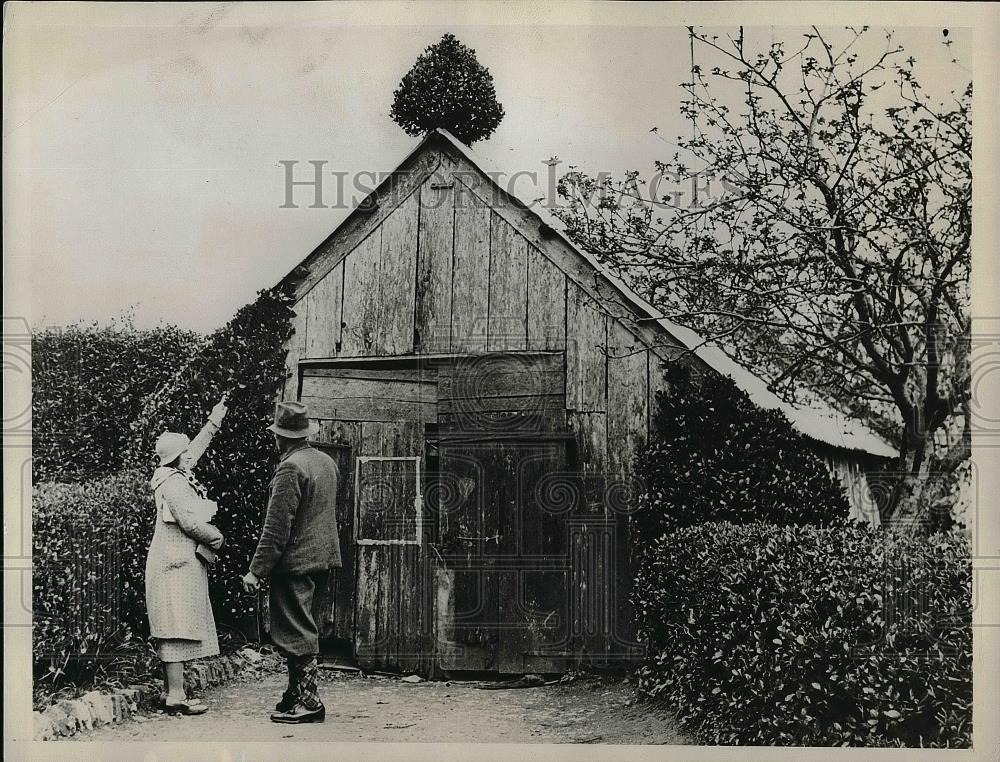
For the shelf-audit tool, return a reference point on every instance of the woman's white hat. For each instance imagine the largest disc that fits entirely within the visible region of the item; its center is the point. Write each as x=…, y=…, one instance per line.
x=169, y=445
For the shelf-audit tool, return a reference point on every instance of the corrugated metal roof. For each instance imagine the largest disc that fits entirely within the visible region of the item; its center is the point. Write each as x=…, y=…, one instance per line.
x=818, y=421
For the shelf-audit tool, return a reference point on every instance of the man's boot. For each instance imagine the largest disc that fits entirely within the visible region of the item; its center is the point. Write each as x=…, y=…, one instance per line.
x=303, y=675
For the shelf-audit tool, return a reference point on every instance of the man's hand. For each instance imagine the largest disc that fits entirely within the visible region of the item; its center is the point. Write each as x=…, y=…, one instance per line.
x=251, y=582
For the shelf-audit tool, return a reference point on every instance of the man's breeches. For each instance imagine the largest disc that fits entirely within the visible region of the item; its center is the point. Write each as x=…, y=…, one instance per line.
x=295, y=624
x=295, y=601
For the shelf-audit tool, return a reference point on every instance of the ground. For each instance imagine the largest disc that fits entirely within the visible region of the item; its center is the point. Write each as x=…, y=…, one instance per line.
x=380, y=709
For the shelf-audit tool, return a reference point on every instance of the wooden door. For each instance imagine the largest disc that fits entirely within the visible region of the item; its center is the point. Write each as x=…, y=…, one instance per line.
x=504, y=540
x=337, y=618
x=391, y=608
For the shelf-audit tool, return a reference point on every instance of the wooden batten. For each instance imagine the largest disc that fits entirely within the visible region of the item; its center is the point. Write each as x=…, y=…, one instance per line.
x=470, y=274
x=362, y=298
x=435, y=256
x=324, y=303
x=397, y=279
x=508, y=287
x=546, y=308
x=586, y=353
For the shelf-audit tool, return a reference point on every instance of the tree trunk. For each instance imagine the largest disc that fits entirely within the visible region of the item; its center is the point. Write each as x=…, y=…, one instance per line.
x=924, y=492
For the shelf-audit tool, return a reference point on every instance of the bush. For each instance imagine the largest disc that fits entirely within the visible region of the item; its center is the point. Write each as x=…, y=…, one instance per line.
x=447, y=87
x=715, y=456
x=89, y=545
x=844, y=635
x=245, y=357
x=88, y=384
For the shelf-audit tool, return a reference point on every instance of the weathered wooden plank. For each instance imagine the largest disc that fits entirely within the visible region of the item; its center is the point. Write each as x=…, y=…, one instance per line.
x=428, y=361
x=295, y=348
x=508, y=280
x=420, y=375
x=591, y=435
x=358, y=388
x=434, y=263
x=371, y=409
x=592, y=545
x=406, y=179
x=501, y=374
x=364, y=605
x=348, y=435
x=362, y=298
x=470, y=277
x=497, y=423
x=324, y=315
x=337, y=607
x=524, y=404
x=502, y=383
x=546, y=303
x=389, y=598
x=586, y=353
x=628, y=399
x=371, y=593
x=399, y=268
x=628, y=402
x=412, y=585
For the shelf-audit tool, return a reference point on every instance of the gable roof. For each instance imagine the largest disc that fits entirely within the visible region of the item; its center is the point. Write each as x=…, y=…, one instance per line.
x=817, y=421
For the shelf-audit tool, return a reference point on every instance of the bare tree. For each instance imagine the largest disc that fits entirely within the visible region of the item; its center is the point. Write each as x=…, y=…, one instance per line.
x=836, y=255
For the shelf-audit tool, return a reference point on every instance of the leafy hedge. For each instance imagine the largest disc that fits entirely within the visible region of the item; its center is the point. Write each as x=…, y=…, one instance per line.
x=715, y=456
x=245, y=357
x=810, y=636
x=88, y=385
x=88, y=547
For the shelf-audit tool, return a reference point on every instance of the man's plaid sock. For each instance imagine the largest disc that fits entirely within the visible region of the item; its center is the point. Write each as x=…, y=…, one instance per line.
x=304, y=673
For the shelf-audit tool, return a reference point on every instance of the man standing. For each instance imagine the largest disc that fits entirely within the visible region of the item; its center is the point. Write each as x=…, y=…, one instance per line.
x=298, y=547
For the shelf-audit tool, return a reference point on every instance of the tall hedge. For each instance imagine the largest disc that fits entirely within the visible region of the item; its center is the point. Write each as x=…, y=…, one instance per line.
x=714, y=455
x=88, y=564
x=88, y=385
x=246, y=358
x=844, y=635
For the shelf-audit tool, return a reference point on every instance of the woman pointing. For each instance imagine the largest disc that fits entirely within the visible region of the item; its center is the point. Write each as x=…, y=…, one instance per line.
x=183, y=545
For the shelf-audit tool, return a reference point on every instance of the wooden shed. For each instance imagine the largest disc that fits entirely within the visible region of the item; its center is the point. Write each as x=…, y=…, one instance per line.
x=482, y=385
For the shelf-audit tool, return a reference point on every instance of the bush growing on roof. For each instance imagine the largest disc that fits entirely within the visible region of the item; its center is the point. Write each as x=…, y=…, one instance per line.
x=448, y=87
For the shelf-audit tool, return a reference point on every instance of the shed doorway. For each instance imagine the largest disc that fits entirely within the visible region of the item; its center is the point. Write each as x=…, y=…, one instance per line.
x=504, y=540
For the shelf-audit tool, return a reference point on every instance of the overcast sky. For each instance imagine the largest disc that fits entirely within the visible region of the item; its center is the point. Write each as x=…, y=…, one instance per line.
x=144, y=140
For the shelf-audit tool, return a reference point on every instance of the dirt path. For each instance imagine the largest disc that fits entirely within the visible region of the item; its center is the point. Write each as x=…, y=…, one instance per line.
x=388, y=709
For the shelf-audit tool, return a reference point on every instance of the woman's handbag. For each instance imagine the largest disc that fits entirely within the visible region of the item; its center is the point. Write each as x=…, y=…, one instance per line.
x=206, y=554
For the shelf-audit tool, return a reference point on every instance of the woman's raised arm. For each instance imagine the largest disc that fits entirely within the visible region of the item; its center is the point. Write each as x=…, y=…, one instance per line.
x=201, y=442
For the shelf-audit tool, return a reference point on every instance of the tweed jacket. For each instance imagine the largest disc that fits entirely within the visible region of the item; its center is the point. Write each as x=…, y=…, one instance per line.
x=300, y=529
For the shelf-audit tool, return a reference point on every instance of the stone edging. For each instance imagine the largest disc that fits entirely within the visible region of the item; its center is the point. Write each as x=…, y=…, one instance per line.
x=97, y=708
